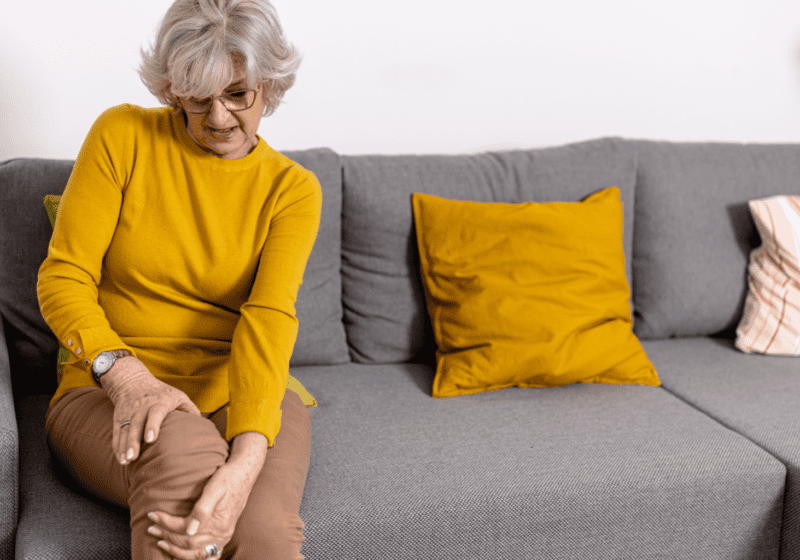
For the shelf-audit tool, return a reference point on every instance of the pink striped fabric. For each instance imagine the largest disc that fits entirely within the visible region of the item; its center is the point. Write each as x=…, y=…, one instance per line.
x=771, y=320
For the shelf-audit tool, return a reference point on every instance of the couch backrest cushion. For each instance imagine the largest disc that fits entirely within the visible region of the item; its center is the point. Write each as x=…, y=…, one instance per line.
x=384, y=305
x=694, y=232
x=25, y=233
x=321, y=339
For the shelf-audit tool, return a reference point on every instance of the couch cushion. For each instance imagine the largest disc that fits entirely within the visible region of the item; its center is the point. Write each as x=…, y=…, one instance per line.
x=321, y=337
x=25, y=232
x=58, y=520
x=9, y=456
x=528, y=295
x=755, y=395
x=771, y=320
x=694, y=232
x=581, y=471
x=384, y=306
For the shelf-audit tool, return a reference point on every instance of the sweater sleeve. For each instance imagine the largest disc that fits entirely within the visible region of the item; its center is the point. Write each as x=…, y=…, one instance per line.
x=86, y=220
x=265, y=334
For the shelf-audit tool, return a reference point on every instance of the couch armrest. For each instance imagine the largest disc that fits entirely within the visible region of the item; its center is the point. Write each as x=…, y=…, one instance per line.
x=9, y=456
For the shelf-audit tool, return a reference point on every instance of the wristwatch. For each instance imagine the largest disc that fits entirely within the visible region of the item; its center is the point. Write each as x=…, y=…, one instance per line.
x=104, y=360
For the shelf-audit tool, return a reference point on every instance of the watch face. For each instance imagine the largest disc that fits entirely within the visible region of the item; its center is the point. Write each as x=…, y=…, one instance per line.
x=102, y=362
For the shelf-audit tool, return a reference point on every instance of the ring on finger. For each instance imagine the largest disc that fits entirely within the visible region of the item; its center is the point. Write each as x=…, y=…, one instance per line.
x=212, y=550
x=124, y=423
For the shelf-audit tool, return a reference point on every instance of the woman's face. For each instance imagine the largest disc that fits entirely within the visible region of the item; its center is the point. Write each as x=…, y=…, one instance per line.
x=224, y=133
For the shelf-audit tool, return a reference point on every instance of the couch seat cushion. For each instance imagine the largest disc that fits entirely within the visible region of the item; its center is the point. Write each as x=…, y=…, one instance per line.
x=580, y=471
x=755, y=395
x=57, y=519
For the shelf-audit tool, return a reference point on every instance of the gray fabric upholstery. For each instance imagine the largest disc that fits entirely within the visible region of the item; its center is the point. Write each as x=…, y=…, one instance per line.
x=582, y=471
x=25, y=233
x=9, y=456
x=321, y=337
x=757, y=396
x=694, y=232
x=705, y=467
x=384, y=308
x=59, y=520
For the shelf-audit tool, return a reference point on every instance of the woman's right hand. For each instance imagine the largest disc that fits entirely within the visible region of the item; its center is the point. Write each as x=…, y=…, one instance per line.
x=144, y=400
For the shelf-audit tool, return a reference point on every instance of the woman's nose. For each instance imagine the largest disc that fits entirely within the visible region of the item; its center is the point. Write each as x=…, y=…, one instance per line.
x=218, y=115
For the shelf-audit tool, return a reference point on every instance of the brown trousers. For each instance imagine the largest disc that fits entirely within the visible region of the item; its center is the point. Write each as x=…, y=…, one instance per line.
x=169, y=474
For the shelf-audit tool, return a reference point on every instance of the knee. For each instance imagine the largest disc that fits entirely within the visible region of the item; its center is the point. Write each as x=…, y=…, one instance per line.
x=188, y=434
x=186, y=453
x=189, y=437
x=277, y=536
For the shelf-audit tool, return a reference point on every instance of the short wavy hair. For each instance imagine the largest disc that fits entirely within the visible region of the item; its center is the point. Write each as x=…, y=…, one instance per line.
x=197, y=41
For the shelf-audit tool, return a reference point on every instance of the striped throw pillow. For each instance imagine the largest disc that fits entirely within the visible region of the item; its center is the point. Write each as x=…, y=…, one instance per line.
x=771, y=320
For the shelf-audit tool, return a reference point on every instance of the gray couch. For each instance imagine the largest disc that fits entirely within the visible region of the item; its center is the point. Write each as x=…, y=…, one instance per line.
x=704, y=467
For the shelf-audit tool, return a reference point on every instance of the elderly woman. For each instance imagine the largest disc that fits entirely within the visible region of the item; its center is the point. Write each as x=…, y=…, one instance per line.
x=171, y=278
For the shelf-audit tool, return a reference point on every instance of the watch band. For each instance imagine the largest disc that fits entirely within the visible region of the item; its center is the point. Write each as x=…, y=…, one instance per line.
x=114, y=355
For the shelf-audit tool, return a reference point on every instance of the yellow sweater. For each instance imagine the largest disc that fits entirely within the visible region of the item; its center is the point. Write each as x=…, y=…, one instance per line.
x=190, y=261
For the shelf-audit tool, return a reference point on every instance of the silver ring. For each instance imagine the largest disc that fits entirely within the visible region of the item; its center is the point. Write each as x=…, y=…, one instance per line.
x=124, y=423
x=212, y=550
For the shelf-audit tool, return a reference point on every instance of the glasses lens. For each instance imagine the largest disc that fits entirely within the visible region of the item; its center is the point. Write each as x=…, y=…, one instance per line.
x=196, y=105
x=239, y=100
x=233, y=101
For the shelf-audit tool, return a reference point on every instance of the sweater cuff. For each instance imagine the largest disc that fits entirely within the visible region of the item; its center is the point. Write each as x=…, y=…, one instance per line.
x=263, y=417
x=84, y=345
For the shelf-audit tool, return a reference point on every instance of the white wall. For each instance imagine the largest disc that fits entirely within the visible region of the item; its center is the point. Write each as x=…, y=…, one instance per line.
x=437, y=76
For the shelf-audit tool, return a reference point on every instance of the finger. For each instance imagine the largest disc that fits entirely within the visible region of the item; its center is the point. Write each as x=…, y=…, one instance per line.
x=181, y=553
x=169, y=522
x=130, y=437
x=122, y=437
x=135, y=435
x=115, y=435
x=205, y=506
x=190, y=407
x=155, y=417
x=171, y=530
x=179, y=541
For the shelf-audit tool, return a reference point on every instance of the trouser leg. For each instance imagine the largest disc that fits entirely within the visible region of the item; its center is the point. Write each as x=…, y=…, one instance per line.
x=169, y=474
x=270, y=526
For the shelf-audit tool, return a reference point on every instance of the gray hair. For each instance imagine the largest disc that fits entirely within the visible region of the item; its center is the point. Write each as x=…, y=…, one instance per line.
x=192, y=54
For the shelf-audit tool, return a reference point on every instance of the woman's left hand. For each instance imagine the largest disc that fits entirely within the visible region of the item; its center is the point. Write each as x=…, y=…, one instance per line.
x=213, y=518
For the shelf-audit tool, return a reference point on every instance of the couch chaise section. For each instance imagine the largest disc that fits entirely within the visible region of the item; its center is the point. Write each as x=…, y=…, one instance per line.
x=756, y=396
x=694, y=234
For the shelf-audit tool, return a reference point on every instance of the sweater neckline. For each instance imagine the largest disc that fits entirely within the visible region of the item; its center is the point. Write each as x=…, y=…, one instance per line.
x=191, y=146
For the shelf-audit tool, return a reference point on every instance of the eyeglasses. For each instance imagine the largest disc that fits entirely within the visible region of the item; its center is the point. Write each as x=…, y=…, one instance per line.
x=232, y=101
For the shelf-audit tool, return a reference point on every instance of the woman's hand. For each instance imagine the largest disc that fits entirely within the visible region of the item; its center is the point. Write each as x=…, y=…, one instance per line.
x=217, y=511
x=144, y=400
x=212, y=521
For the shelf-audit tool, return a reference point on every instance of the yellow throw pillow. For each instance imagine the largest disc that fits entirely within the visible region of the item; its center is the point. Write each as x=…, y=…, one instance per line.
x=528, y=295
x=51, y=205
